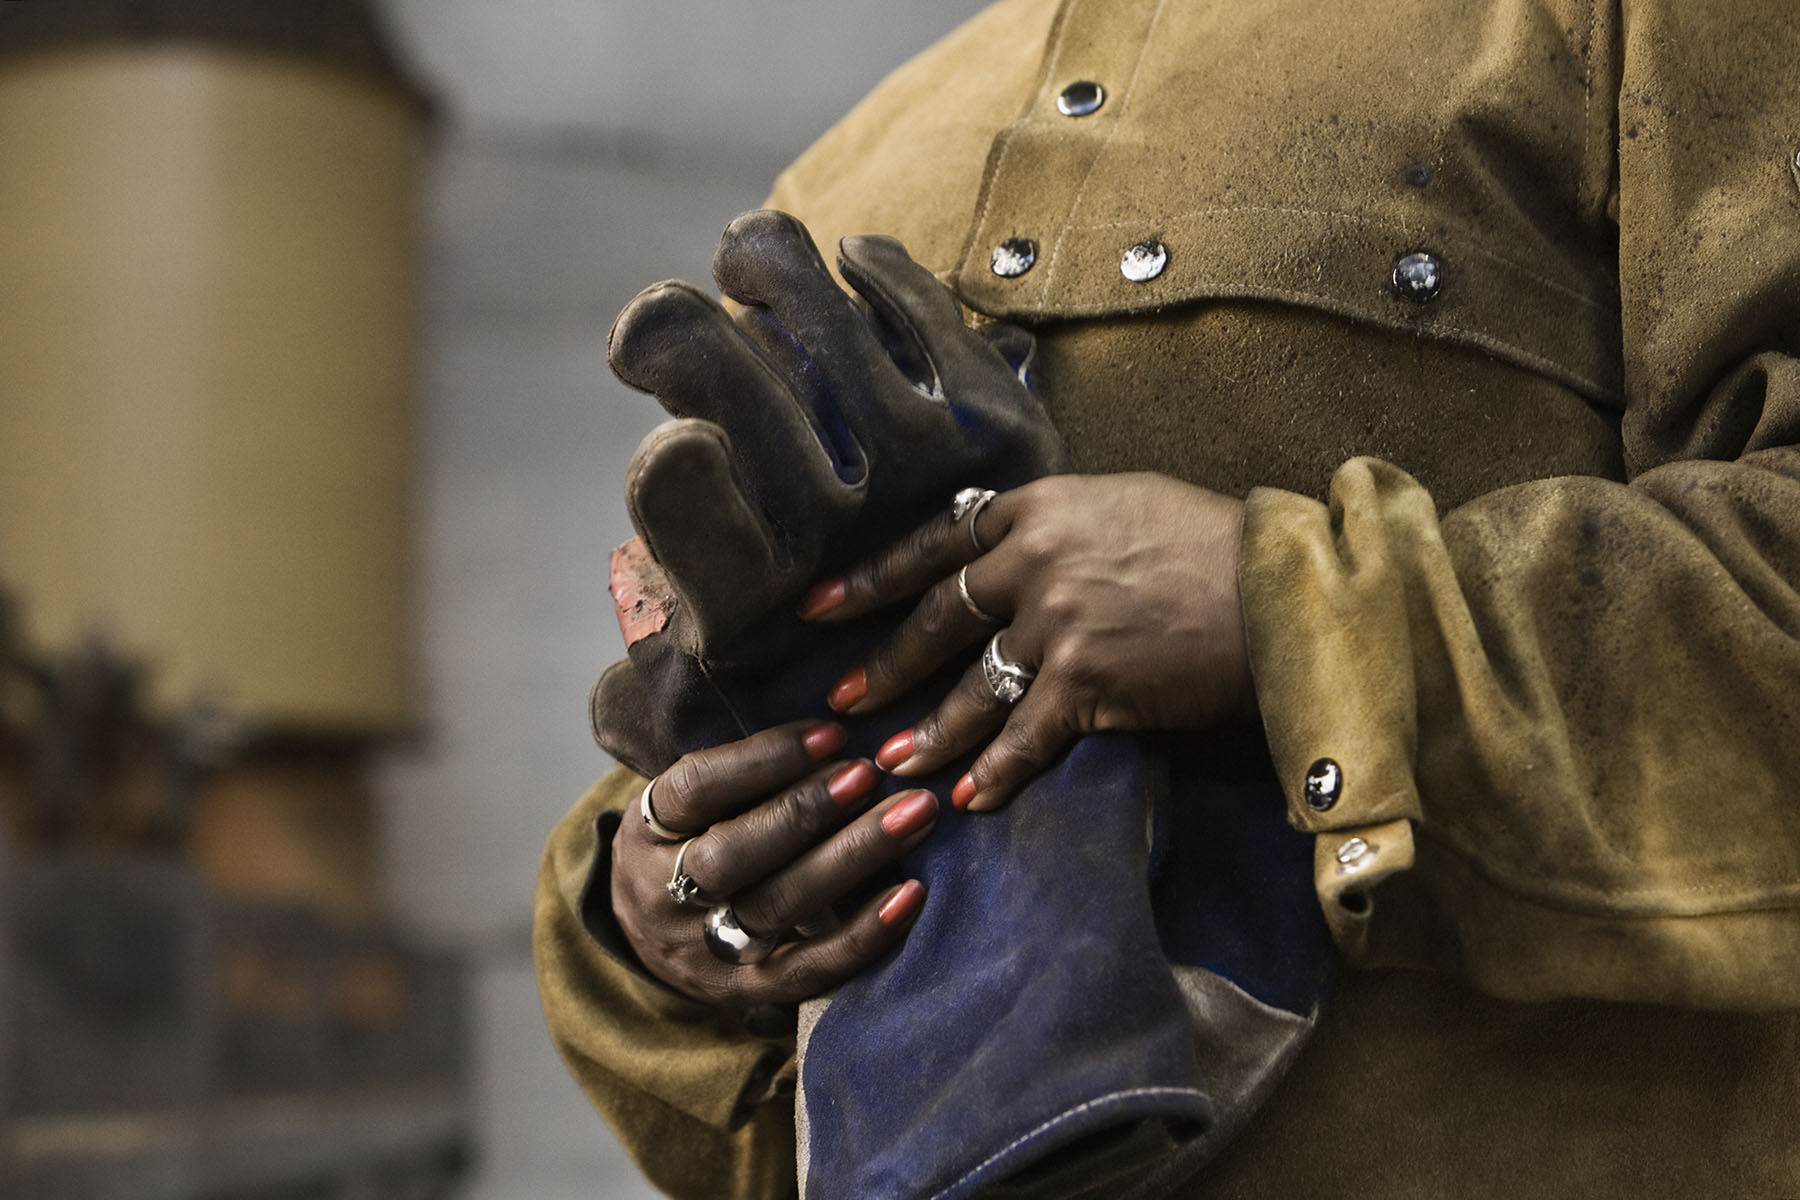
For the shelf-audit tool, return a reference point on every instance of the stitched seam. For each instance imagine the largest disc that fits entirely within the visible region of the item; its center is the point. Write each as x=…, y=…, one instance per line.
x=1589, y=177
x=1445, y=331
x=1061, y=1118
x=1006, y=135
x=1372, y=222
x=1094, y=164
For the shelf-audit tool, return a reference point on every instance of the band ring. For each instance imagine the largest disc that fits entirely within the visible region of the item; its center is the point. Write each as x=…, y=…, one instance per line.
x=682, y=886
x=962, y=590
x=730, y=942
x=967, y=504
x=1005, y=678
x=658, y=830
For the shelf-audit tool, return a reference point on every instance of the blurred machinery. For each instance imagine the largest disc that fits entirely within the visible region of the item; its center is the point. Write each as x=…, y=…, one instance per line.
x=206, y=342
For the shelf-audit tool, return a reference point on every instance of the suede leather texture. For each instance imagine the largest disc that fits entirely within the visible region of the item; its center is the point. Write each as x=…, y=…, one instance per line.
x=1521, y=559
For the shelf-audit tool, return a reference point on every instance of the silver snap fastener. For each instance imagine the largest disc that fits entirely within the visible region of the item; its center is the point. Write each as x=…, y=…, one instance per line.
x=1080, y=99
x=1353, y=855
x=1797, y=160
x=1418, y=276
x=1013, y=257
x=1324, y=784
x=1144, y=261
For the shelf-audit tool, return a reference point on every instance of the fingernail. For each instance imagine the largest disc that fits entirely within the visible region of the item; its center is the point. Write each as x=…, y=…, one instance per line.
x=963, y=792
x=903, y=905
x=895, y=750
x=821, y=598
x=824, y=740
x=848, y=690
x=910, y=815
x=851, y=781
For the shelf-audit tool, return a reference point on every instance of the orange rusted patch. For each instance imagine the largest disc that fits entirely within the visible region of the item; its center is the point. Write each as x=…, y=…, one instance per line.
x=640, y=591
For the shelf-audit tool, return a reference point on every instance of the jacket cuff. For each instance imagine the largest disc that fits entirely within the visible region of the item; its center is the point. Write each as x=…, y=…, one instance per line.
x=1326, y=620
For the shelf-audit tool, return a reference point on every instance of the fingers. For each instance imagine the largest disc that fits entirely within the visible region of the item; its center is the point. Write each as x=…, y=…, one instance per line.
x=669, y=939
x=932, y=552
x=708, y=786
x=968, y=713
x=1026, y=738
x=802, y=970
x=824, y=873
x=939, y=627
x=753, y=845
x=1037, y=733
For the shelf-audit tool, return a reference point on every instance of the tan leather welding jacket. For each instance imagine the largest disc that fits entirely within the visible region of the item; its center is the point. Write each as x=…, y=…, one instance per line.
x=1490, y=310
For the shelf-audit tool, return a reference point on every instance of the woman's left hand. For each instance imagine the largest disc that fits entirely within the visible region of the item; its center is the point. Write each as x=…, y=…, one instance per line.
x=1119, y=590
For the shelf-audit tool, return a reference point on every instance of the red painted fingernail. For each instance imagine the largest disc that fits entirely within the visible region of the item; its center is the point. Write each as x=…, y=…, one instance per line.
x=824, y=740
x=903, y=905
x=895, y=751
x=851, y=782
x=821, y=598
x=910, y=815
x=848, y=690
x=963, y=792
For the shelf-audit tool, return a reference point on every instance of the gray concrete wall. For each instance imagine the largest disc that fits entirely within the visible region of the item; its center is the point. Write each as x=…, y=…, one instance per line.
x=591, y=147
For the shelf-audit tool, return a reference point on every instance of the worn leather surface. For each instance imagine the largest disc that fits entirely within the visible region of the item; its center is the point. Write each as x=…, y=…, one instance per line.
x=1523, y=557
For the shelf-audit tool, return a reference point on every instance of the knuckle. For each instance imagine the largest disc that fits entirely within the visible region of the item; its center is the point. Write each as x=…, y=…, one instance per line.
x=937, y=612
x=884, y=662
x=677, y=794
x=1022, y=743
x=772, y=908
x=803, y=812
x=820, y=968
x=707, y=861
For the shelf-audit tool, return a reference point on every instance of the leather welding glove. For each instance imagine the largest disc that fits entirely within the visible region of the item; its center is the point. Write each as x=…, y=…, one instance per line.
x=1037, y=1032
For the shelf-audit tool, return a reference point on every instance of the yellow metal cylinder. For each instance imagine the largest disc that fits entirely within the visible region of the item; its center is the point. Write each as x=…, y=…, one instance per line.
x=207, y=280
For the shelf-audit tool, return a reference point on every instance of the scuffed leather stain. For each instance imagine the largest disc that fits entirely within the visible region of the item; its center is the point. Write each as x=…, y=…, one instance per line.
x=640, y=591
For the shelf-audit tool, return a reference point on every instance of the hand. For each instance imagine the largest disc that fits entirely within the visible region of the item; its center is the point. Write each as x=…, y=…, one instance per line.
x=1121, y=590
x=779, y=835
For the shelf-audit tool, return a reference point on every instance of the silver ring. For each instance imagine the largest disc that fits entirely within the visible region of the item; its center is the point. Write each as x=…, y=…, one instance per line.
x=658, y=830
x=682, y=886
x=962, y=589
x=968, y=503
x=1005, y=678
x=732, y=943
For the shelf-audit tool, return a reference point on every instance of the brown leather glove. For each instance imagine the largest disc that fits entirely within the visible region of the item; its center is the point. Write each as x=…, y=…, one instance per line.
x=810, y=427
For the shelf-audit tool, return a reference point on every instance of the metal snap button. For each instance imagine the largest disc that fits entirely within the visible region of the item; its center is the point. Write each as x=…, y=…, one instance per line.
x=1324, y=784
x=1353, y=855
x=1013, y=257
x=1144, y=261
x=1418, y=276
x=1080, y=99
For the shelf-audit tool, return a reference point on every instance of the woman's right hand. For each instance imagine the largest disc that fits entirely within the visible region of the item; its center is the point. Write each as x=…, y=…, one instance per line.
x=775, y=831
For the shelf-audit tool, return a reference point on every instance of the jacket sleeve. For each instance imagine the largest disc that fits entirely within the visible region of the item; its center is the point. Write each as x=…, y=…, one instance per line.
x=703, y=1104
x=1553, y=737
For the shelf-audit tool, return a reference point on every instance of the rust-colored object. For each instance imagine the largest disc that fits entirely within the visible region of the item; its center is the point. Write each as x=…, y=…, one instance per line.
x=640, y=591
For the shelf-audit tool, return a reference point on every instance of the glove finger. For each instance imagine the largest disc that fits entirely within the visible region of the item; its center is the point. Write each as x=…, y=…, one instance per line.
x=718, y=554
x=767, y=261
x=680, y=346
x=619, y=709
x=997, y=418
x=919, y=319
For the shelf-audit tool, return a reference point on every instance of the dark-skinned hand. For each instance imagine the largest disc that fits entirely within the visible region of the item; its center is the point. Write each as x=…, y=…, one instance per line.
x=780, y=829
x=1121, y=590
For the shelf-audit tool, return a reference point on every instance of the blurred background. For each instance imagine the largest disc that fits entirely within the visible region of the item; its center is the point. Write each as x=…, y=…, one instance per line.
x=310, y=463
